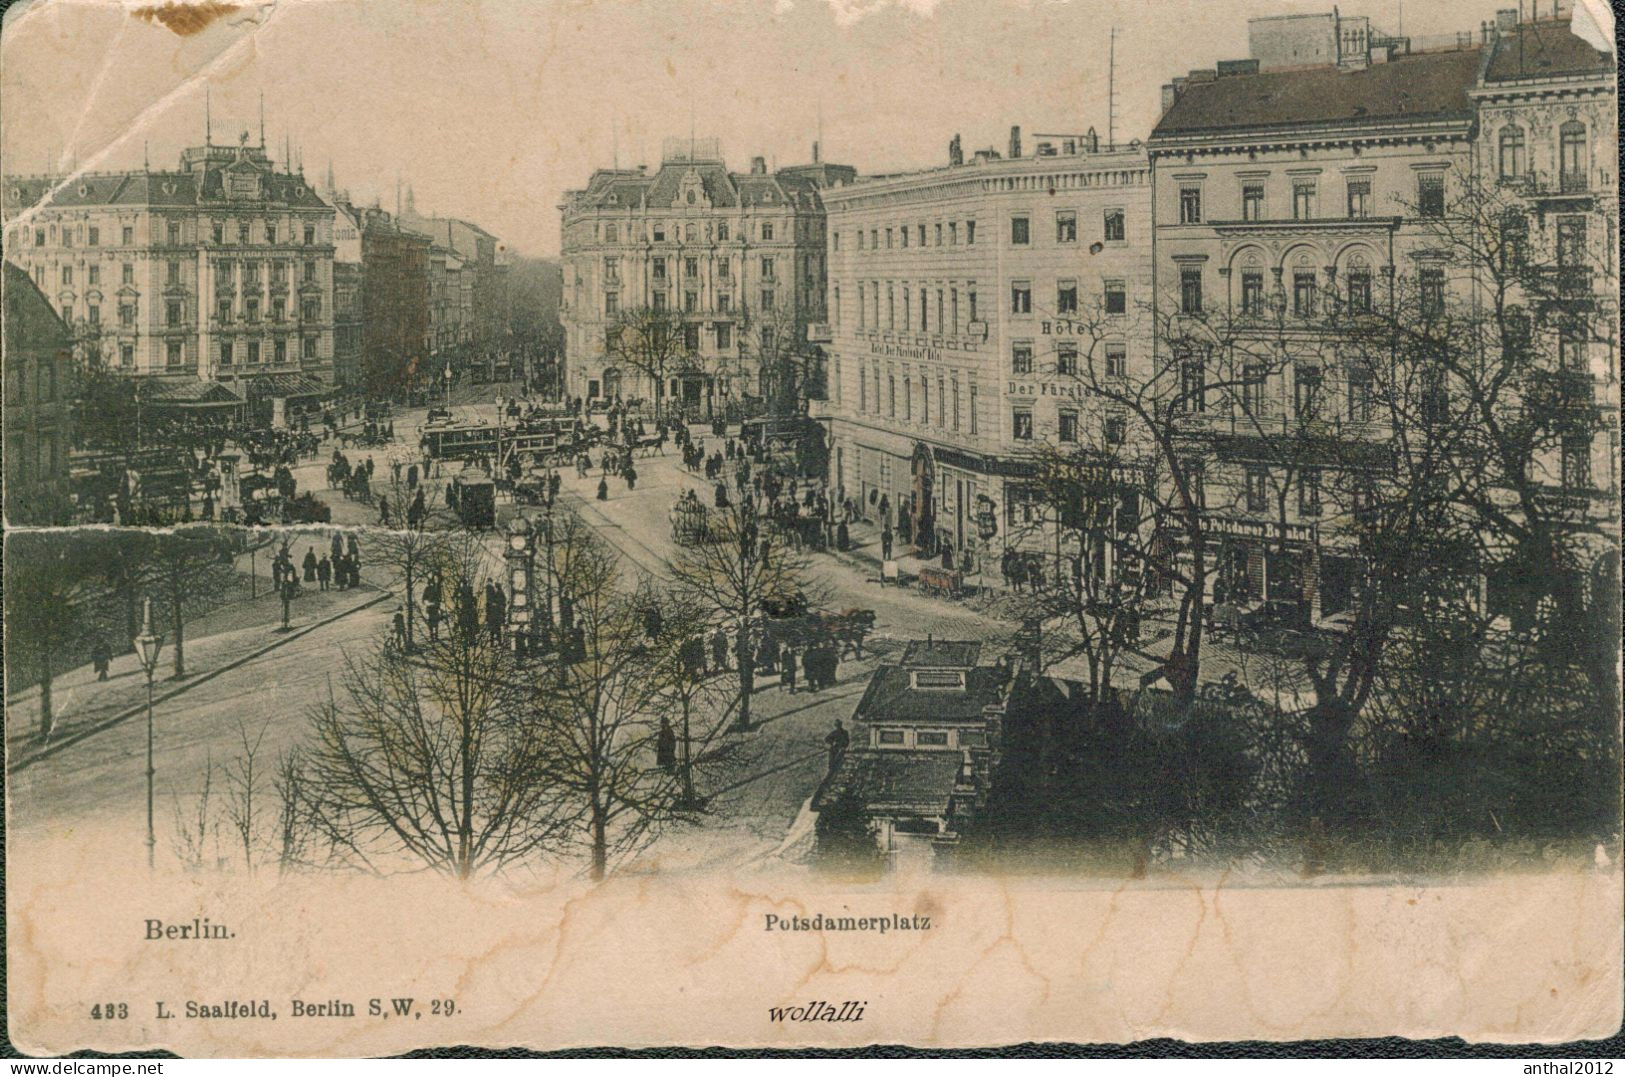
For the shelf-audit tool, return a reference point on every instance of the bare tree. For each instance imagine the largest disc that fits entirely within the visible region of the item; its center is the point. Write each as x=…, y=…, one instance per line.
x=747, y=565
x=410, y=550
x=49, y=578
x=186, y=563
x=245, y=779
x=439, y=758
x=653, y=343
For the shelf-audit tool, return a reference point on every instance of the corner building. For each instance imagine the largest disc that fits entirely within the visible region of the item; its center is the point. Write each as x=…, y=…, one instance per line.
x=733, y=254
x=958, y=301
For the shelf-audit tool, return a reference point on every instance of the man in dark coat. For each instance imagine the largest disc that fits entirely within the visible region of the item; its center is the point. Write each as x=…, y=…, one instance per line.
x=836, y=742
x=666, y=747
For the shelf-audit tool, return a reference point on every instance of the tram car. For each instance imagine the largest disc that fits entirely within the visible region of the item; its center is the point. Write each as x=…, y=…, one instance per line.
x=475, y=499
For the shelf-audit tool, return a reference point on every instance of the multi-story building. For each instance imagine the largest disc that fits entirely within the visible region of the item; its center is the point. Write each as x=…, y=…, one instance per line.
x=731, y=258
x=347, y=286
x=476, y=285
x=217, y=273
x=1308, y=179
x=960, y=301
x=1548, y=137
x=396, y=341
x=39, y=393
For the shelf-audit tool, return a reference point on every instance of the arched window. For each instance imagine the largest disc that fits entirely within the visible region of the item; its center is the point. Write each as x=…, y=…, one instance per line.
x=1512, y=152
x=1572, y=155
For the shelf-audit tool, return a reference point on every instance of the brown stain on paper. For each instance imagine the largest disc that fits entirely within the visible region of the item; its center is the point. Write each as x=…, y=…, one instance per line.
x=184, y=19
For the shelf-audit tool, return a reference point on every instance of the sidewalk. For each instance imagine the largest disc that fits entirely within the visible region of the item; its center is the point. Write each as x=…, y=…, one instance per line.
x=215, y=643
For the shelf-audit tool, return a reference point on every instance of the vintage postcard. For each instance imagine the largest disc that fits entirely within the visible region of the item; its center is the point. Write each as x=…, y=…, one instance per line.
x=809, y=523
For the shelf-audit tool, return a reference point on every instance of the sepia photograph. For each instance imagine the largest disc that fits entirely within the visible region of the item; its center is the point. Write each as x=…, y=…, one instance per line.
x=809, y=523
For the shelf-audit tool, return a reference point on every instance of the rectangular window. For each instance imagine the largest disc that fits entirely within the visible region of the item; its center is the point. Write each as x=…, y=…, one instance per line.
x=311, y=310
x=1430, y=283
x=1359, y=199
x=835, y=238
x=242, y=232
x=172, y=313
x=251, y=309
x=1019, y=231
x=956, y=403
x=1254, y=387
x=863, y=387
x=172, y=353
x=1303, y=201
x=67, y=274
x=279, y=308
x=923, y=311
x=1252, y=202
x=970, y=233
x=281, y=352
x=126, y=355
x=67, y=236
x=888, y=238
x=724, y=270
x=39, y=237
x=724, y=336
x=891, y=395
x=767, y=300
x=658, y=268
x=1193, y=386
x=1308, y=385
x=1066, y=358
x=1021, y=424
x=973, y=405
x=691, y=301
x=889, y=736
x=921, y=234
x=1067, y=425
x=253, y=352
x=953, y=233
x=1115, y=232
x=1021, y=297
x=1116, y=360
x=222, y=310
x=129, y=235
x=1305, y=287
x=1066, y=226
x=768, y=269
x=725, y=302
x=1190, y=290
x=94, y=315
x=1252, y=292
x=1360, y=291
x=1021, y=357
x=767, y=229
x=612, y=270
x=126, y=315
x=1576, y=463
x=691, y=336
x=1116, y=430
x=309, y=351
x=127, y=274
x=1309, y=492
x=1116, y=297
x=95, y=236
x=1066, y=297
x=612, y=303
x=219, y=233
x=1190, y=205
x=1571, y=242
x=310, y=235
x=1430, y=194
x=1257, y=489
x=174, y=234
x=939, y=235
x=970, y=299
x=227, y=353
x=1359, y=395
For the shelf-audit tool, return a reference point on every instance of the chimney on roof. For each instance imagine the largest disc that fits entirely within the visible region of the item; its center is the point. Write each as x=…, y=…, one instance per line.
x=1015, y=142
x=1506, y=18
x=956, y=155
x=758, y=166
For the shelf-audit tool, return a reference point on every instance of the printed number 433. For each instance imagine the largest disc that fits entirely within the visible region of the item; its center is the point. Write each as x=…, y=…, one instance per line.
x=110, y=1011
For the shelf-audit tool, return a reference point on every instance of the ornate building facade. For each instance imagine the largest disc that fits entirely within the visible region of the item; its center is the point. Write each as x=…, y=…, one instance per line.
x=962, y=301
x=219, y=273
x=725, y=256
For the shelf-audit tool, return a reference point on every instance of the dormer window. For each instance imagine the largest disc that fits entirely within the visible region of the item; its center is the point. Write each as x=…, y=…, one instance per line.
x=949, y=680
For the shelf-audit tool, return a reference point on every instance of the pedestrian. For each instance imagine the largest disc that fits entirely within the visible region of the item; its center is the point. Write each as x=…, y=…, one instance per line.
x=100, y=657
x=603, y=490
x=399, y=629
x=836, y=742
x=885, y=544
x=719, y=649
x=309, y=565
x=666, y=747
x=787, y=679
x=324, y=571
x=631, y=475
x=948, y=555
x=496, y=612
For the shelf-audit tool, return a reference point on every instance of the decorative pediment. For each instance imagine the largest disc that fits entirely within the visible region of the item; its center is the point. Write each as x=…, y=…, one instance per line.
x=691, y=191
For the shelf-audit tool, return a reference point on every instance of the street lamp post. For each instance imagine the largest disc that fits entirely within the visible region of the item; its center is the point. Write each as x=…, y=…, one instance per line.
x=447, y=377
x=147, y=645
x=521, y=554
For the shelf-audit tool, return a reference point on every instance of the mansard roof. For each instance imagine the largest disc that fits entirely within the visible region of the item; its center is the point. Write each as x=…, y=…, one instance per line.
x=1424, y=87
x=663, y=188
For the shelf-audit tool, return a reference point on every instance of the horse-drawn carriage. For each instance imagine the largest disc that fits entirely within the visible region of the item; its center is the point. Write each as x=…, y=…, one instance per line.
x=844, y=631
